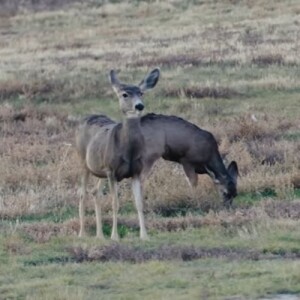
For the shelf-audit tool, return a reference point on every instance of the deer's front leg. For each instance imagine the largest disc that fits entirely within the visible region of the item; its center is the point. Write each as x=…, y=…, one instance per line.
x=138, y=197
x=98, y=199
x=113, y=187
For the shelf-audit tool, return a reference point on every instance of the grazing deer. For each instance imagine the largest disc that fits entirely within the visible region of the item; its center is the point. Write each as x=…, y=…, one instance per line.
x=178, y=140
x=115, y=150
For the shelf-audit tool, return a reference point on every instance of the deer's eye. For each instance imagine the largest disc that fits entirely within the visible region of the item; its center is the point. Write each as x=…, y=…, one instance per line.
x=125, y=95
x=141, y=94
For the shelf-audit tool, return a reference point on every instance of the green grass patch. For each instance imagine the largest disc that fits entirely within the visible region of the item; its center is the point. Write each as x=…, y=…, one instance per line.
x=38, y=268
x=204, y=278
x=293, y=136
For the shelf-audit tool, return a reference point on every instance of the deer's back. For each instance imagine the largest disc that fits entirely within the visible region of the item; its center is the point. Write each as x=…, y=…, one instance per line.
x=179, y=139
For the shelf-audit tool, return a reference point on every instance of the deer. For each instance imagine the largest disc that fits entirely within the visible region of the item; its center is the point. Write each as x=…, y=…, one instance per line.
x=175, y=139
x=115, y=151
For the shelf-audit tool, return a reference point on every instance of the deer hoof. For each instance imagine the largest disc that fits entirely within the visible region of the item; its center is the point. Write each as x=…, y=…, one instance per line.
x=145, y=237
x=115, y=237
x=100, y=237
x=82, y=234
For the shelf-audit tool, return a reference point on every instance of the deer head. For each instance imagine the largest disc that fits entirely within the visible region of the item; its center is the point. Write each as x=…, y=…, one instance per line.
x=228, y=190
x=226, y=182
x=131, y=96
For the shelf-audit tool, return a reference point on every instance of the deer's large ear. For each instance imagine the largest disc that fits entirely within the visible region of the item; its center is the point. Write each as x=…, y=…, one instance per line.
x=114, y=79
x=233, y=171
x=150, y=80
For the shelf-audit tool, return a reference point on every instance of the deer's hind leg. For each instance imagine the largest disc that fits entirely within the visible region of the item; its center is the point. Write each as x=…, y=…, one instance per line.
x=192, y=177
x=84, y=180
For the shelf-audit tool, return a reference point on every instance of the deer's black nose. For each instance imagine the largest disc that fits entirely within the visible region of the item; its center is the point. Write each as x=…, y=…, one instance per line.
x=139, y=106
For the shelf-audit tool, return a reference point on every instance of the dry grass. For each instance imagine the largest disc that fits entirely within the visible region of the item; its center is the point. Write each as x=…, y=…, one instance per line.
x=35, y=159
x=11, y=8
x=40, y=169
x=66, y=59
x=201, y=92
x=221, y=74
x=265, y=60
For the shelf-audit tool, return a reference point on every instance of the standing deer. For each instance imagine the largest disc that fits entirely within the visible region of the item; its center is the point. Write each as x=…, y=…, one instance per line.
x=115, y=150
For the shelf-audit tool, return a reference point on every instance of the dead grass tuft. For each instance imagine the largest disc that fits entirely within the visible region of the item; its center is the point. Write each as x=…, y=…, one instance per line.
x=34, y=89
x=267, y=153
x=13, y=7
x=52, y=89
x=170, y=61
x=14, y=244
x=282, y=209
x=251, y=37
x=41, y=232
x=268, y=59
x=246, y=127
x=201, y=92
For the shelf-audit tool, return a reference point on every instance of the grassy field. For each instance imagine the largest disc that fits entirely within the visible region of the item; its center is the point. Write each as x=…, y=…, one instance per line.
x=231, y=67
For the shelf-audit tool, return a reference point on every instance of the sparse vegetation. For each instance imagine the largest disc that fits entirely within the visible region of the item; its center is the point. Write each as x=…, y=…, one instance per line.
x=231, y=67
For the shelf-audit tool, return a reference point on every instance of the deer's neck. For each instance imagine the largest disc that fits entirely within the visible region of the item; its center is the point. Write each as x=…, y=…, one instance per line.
x=131, y=129
x=132, y=137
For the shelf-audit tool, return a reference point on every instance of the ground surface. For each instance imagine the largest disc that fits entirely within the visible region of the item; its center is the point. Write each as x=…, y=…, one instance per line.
x=231, y=67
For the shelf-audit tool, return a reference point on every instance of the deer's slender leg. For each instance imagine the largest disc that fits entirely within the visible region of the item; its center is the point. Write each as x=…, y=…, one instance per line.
x=192, y=177
x=98, y=199
x=115, y=206
x=147, y=169
x=138, y=197
x=82, y=200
